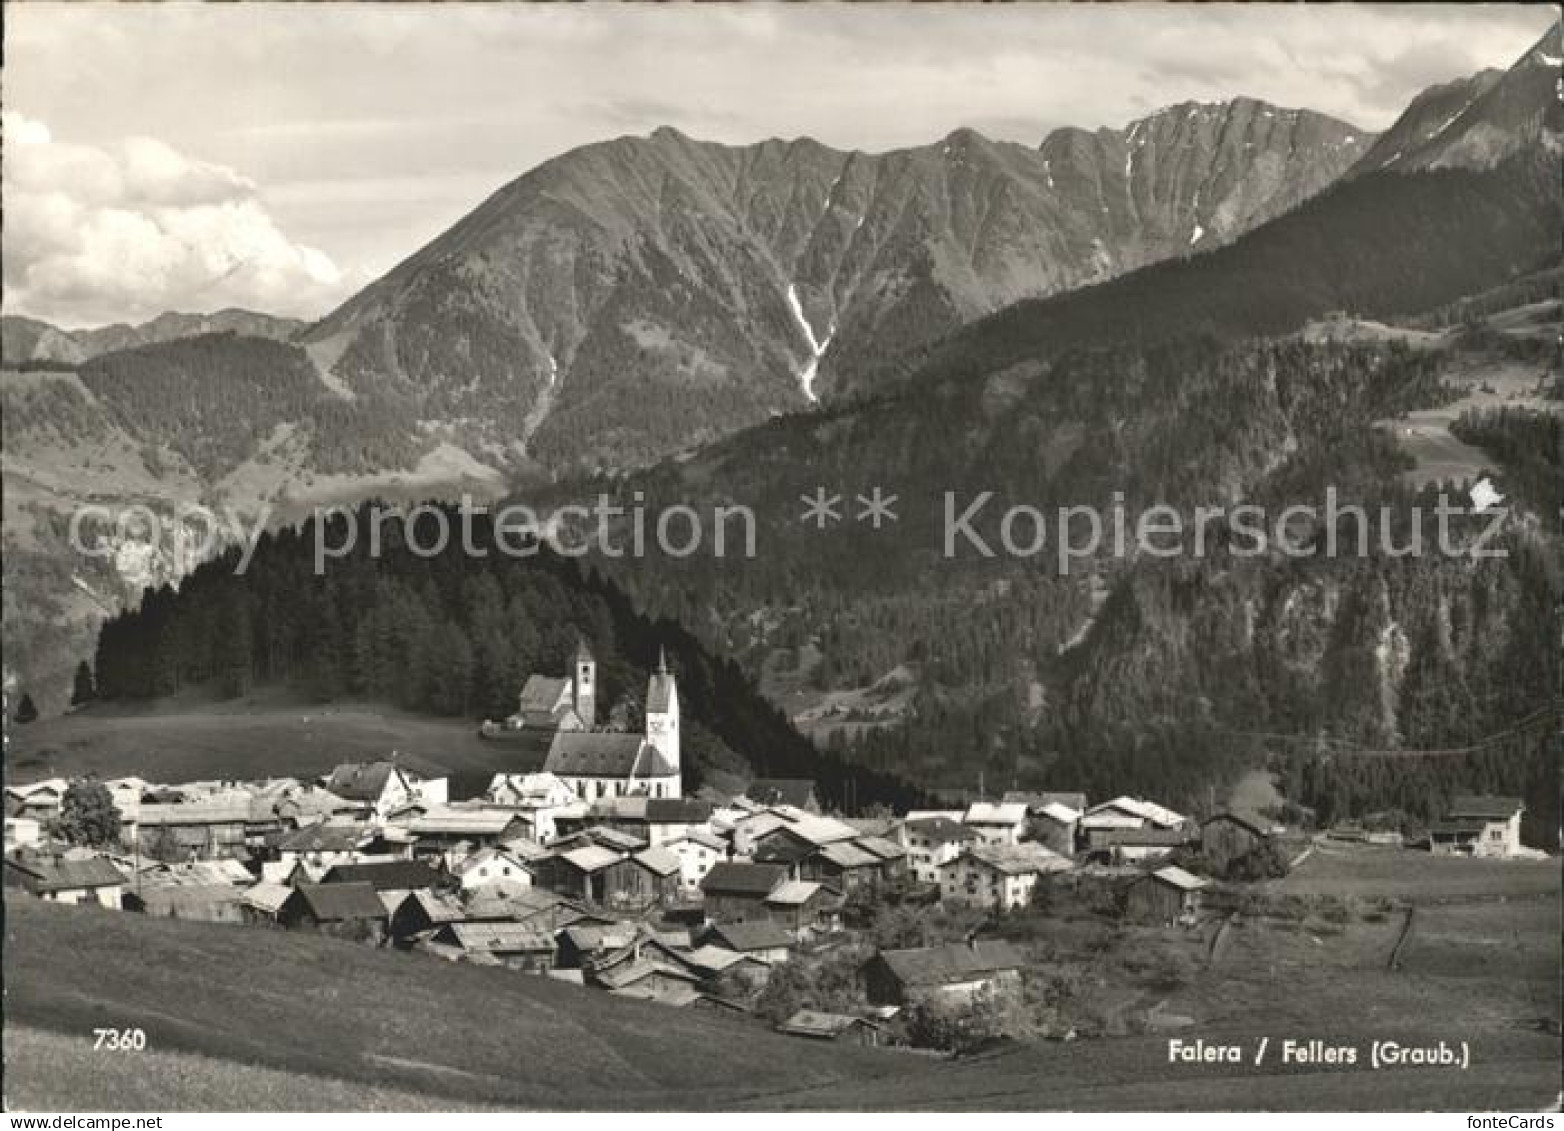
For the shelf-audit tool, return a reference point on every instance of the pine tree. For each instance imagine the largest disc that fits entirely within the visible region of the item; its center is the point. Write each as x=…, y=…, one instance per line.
x=84, y=690
x=26, y=710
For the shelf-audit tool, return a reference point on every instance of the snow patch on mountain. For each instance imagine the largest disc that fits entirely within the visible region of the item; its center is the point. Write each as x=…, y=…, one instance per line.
x=806, y=376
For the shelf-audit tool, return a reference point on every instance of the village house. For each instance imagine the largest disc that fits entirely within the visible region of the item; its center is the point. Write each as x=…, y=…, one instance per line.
x=735, y=891
x=39, y=801
x=22, y=832
x=843, y=866
x=798, y=793
x=582, y=943
x=216, y=825
x=1168, y=895
x=652, y=820
x=840, y=1027
x=760, y=939
x=1038, y=799
x=1141, y=812
x=93, y=880
x=1001, y=877
x=932, y=841
x=262, y=903
x=193, y=902
x=1136, y=845
x=1478, y=826
x=422, y=912
x=493, y=864
x=351, y=909
x=376, y=789
x=454, y=831
x=1054, y=825
x=519, y=946
x=805, y=909
x=577, y=873
x=699, y=851
x=632, y=972
x=658, y=881
x=385, y=875
x=956, y=973
x=541, y=799
x=319, y=846
x=1232, y=835
x=996, y=822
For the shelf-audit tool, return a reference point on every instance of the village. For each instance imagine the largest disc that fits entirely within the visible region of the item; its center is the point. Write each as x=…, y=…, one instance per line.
x=597, y=870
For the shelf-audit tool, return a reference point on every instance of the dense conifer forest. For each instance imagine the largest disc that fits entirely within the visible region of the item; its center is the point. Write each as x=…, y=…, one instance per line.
x=452, y=634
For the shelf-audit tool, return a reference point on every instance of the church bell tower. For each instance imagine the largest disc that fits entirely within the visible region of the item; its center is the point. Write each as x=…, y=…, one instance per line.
x=583, y=695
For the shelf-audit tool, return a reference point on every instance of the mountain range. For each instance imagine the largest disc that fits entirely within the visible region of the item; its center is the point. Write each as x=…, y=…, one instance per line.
x=650, y=296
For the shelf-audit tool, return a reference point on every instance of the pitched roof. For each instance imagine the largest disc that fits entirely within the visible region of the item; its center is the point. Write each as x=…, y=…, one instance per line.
x=1058, y=811
x=389, y=875
x=321, y=838
x=591, y=858
x=753, y=934
x=617, y=839
x=605, y=754
x=658, y=860
x=702, y=837
x=943, y=830
x=65, y=875
x=438, y=907
x=332, y=903
x=1146, y=810
x=541, y=694
x=794, y=893
x=1144, y=837
x=158, y=899
x=267, y=897
x=813, y=1023
x=360, y=781
x=1177, y=877
x=995, y=813
x=938, y=965
x=677, y=810
x=1020, y=859
x=786, y=791
x=1249, y=819
x=1040, y=799
x=462, y=820
x=498, y=937
x=228, y=810
x=736, y=878
x=884, y=849
x=845, y=854
x=713, y=959
x=1485, y=807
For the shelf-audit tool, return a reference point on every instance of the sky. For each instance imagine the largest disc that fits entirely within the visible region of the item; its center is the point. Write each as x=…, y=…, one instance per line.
x=278, y=157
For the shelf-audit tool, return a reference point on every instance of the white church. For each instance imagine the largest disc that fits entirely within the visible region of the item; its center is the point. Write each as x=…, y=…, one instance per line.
x=603, y=763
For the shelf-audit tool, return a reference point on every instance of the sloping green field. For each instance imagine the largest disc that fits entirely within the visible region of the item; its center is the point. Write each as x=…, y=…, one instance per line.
x=241, y=1017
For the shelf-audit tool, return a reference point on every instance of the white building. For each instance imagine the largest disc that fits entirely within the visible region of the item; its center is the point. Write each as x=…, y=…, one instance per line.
x=1001, y=877
x=599, y=764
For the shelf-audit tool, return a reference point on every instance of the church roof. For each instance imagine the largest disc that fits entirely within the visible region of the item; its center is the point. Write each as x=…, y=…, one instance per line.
x=605, y=754
x=542, y=693
x=582, y=651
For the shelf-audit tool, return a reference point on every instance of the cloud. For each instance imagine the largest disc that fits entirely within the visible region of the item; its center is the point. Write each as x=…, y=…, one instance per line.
x=126, y=232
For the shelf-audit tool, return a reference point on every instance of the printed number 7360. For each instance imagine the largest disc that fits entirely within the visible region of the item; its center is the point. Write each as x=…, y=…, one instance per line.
x=119, y=1040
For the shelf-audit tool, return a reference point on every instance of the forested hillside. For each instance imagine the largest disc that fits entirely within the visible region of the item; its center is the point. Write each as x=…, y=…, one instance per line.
x=1190, y=661
x=453, y=634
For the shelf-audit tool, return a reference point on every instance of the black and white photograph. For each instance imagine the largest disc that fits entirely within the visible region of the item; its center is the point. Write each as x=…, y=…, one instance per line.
x=729, y=558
